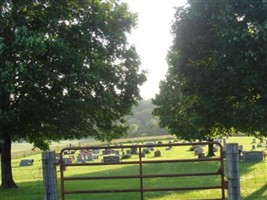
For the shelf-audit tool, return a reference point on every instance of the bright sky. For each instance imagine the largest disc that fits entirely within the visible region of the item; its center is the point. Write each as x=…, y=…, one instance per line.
x=152, y=38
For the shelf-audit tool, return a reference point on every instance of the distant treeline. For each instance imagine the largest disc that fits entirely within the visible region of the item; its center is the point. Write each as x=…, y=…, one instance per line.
x=142, y=122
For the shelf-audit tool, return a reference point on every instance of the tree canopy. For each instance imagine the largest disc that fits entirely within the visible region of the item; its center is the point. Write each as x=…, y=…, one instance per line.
x=216, y=81
x=66, y=71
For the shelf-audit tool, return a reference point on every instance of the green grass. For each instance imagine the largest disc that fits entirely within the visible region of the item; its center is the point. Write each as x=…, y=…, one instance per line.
x=253, y=178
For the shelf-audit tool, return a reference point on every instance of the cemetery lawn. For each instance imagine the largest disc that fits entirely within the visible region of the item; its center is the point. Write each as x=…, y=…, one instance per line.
x=253, y=178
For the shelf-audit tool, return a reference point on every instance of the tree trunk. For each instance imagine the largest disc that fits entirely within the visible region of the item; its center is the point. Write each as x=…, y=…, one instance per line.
x=210, y=149
x=6, y=169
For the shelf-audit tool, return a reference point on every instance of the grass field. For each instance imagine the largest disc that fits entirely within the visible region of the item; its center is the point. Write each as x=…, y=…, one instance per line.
x=253, y=178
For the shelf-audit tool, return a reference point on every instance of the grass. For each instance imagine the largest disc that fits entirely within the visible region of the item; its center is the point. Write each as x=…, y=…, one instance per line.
x=253, y=178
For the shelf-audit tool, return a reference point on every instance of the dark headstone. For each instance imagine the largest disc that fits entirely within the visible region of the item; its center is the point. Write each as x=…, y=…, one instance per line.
x=133, y=150
x=25, y=162
x=157, y=153
x=201, y=155
x=111, y=159
x=95, y=151
x=253, y=155
x=80, y=158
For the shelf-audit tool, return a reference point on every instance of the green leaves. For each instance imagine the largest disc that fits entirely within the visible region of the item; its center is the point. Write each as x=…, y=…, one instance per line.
x=66, y=69
x=217, y=74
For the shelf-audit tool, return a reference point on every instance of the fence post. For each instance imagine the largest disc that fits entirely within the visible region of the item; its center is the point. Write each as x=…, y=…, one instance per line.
x=232, y=164
x=49, y=175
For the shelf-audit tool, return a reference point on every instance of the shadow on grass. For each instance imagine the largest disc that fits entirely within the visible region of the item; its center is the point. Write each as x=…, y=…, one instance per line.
x=148, y=169
x=30, y=190
x=259, y=194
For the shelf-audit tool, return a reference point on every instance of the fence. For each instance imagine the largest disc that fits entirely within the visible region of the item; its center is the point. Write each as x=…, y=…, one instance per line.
x=253, y=178
x=139, y=149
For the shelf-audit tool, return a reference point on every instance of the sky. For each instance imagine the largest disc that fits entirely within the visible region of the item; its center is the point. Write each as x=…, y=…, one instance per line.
x=152, y=39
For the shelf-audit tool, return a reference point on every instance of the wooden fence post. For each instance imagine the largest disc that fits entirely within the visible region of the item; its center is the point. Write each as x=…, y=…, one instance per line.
x=49, y=175
x=233, y=174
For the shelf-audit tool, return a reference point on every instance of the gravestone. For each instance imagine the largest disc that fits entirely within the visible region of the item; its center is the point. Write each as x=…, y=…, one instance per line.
x=26, y=162
x=199, y=152
x=253, y=147
x=253, y=155
x=111, y=159
x=168, y=148
x=80, y=158
x=107, y=151
x=133, y=150
x=66, y=160
x=95, y=151
x=90, y=157
x=157, y=153
x=142, y=155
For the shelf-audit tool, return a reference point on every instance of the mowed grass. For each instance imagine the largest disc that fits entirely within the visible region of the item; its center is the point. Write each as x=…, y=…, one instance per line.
x=253, y=178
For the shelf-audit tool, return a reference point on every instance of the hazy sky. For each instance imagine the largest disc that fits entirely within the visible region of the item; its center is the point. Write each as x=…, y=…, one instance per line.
x=152, y=38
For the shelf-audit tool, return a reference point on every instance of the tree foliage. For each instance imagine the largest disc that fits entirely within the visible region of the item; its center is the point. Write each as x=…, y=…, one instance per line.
x=66, y=71
x=216, y=80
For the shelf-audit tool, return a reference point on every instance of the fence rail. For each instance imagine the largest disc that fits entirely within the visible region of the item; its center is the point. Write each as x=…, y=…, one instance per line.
x=141, y=176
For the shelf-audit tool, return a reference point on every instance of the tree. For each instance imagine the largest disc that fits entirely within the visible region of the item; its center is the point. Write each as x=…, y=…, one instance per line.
x=66, y=71
x=217, y=68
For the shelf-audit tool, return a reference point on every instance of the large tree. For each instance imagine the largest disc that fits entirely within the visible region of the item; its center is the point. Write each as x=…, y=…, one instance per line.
x=66, y=71
x=217, y=70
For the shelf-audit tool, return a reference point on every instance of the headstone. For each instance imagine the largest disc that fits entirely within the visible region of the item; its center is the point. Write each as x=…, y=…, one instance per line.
x=90, y=157
x=145, y=150
x=66, y=160
x=107, y=151
x=201, y=155
x=95, y=151
x=26, y=162
x=199, y=152
x=80, y=158
x=111, y=159
x=157, y=153
x=168, y=148
x=142, y=154
x=253, y=155
x=253, y=147
x=134, y=150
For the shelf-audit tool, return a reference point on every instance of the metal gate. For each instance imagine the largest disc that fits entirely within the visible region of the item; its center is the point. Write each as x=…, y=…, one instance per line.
x=66, y=164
